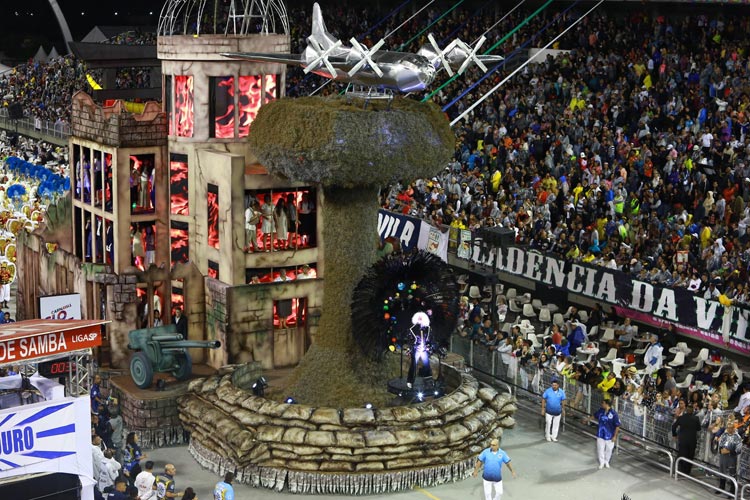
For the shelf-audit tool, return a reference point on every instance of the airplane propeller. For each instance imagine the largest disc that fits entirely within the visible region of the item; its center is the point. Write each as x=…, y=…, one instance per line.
x=441, y=53
x=366, y=56
x=322, y=56
x=471, y=54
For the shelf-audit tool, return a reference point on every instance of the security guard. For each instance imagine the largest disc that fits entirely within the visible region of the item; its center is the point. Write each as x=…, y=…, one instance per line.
x=165, y=487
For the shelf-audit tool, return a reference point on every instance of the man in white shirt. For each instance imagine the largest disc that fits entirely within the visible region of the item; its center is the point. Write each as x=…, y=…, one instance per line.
x=96, y=455
x=145, y=482
x=109, y=470
x=744, y=400
x=652, y=357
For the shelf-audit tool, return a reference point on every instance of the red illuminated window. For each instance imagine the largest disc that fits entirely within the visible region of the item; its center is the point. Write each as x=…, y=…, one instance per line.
x=221, y=107
x=183, y=106
x=179, y=233
x=178, y=185
x=213, y=216
x=249, y=102
x=213, y=269
x=270, y=88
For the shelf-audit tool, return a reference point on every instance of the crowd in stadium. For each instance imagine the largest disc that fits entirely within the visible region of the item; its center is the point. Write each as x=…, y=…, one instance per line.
x=629, y=149
x=45, y=89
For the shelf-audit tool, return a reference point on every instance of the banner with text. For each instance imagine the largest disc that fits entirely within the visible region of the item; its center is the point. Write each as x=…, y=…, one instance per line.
x=694, y=315
x=48, y=437
x=404, y=228
x=66, y=306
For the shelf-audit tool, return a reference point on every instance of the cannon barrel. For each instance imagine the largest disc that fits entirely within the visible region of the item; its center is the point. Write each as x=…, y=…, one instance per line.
x=165, y=338
x=180, y=344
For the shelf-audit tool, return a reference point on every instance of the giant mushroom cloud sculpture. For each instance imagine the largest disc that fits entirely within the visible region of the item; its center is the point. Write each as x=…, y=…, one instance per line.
x=350, y=152
x=329, y=443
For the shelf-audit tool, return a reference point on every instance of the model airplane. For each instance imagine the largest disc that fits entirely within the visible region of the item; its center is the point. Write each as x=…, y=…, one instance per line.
x=402, y=71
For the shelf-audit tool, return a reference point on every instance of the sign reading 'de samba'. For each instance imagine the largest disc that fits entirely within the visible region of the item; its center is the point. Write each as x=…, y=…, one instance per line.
x=677, y=305
x=28, y=340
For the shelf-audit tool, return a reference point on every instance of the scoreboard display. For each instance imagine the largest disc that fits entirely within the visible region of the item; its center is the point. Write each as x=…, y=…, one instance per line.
x=56, y=368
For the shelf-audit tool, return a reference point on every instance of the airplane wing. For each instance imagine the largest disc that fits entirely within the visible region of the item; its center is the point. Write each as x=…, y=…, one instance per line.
x=290, y=59
x=491, y=59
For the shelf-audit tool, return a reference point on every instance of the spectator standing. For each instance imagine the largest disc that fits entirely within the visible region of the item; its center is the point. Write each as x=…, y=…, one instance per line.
x=97, y=456
x=133, y=457
x=606, y=434
x=552, y=410
x=685, y=429
x=119, y=492
x=223, y=489
x=109, y=470
x=492, y=459
x=146, y=482
x=744, y=400
x=652, y=356
x=96, y=395
x=730, y=445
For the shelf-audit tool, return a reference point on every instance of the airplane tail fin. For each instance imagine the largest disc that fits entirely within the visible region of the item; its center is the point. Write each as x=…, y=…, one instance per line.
x=319, y=32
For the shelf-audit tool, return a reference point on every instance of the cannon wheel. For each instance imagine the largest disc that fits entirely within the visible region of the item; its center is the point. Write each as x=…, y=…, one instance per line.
x=184, y=367
x=141, y=370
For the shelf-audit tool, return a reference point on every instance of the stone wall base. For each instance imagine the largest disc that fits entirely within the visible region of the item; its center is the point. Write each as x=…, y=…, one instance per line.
x=154, y=416
x=320, y=483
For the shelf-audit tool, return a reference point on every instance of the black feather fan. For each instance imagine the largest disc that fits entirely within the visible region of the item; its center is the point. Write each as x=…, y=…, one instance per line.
x=393, y=290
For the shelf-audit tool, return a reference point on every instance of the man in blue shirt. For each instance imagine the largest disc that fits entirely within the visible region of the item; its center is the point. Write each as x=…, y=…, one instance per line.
x=223, y=489
x=552, y=410
x=606, y=435
x=492, y=459
x=119, y=491
x=96, y=395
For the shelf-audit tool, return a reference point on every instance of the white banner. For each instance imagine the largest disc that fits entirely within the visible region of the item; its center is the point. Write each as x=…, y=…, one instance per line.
x=60, y=306
x=434, y=241
x=464, y=246
x=53, y=436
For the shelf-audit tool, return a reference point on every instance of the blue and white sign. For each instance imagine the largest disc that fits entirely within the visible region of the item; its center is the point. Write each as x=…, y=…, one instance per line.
x=402, y=227
x=27, y=438
x=54, y=436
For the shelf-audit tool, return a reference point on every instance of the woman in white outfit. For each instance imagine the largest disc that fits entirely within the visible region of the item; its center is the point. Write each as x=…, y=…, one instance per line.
x=267, y=227
x=281, y=220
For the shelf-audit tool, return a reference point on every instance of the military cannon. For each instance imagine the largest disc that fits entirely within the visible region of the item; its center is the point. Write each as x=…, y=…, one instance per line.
x=162, y=349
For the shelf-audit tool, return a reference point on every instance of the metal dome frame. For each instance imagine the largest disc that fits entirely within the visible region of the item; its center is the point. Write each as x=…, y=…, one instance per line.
x=187, y=17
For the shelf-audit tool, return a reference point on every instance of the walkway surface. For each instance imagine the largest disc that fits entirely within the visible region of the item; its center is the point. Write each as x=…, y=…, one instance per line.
x=566, y=470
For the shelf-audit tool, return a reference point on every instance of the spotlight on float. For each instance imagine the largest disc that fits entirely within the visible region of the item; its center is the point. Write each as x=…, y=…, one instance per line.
x=436, y=393
x=420, y=396
x=369, y=406
x=290, y=401
x=259, y=386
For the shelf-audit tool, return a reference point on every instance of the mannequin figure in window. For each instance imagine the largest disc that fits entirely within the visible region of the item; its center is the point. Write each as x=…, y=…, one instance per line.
x=306, y=213
x=88, y=239
x=267, y=227
x=281, y=219
x=150, y=246
x=144, y=198
x=291, y=211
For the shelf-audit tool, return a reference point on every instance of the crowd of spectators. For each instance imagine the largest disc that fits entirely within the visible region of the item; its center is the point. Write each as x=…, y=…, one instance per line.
x=133, y=37
x=629, y=151
x=715, y=395
x=45, y=89
x=120, y=468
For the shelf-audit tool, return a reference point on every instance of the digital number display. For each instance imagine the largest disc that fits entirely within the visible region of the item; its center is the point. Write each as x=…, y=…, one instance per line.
x=56, y=368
